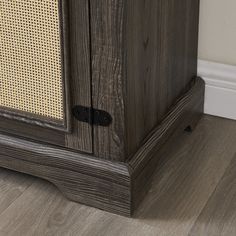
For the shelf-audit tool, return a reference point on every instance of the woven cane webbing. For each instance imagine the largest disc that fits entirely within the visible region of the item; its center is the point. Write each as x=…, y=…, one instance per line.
x=30, y=57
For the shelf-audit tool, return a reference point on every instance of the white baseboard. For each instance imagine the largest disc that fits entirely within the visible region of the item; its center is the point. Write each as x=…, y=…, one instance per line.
x=220, y=98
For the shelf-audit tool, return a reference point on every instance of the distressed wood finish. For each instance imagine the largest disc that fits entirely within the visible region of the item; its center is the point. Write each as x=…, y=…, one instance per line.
x=135, y=59
x=42, y=122
x=188, y=177
x=108, y=81
x=81, y=178
x=144, y=54
x=113, y=186
x=188, y=106
x=161, y=57
x=74, y=19
x=185, y=113
x=37, y=127
x=80, y=83
x=15, y=127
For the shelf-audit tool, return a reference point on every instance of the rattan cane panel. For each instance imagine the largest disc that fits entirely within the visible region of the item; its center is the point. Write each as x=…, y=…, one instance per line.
x=30, y=57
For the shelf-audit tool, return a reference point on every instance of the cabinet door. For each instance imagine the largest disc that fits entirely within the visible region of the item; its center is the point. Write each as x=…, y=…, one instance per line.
x=45, y=70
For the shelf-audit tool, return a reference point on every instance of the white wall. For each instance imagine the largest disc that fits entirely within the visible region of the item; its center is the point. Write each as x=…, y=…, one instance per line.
x=217, y=51
x=217, y=39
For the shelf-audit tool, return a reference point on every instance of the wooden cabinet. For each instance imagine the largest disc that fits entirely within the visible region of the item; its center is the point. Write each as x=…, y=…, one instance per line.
x=91, y=91
x=42, y=47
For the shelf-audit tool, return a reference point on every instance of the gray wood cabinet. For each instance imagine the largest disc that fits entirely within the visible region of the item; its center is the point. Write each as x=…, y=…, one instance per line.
x=98, y=91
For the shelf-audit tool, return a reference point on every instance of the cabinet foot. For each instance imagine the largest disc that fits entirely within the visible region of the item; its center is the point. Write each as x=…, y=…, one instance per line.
x=111, y=186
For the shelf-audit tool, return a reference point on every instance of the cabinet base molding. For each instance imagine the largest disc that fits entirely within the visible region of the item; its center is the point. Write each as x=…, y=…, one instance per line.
x=112, y=186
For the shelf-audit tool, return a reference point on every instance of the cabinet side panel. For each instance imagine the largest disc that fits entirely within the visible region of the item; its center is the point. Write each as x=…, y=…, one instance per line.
x=107, y=20
x=161, y=44
x=80, y=82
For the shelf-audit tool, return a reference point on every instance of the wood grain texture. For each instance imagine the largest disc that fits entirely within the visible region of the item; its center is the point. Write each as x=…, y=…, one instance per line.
x=117, y=187
x=34, y=126
x=84, y=188
x=24, y=215
x=186, y=112
x=12, y=186
x=219, y=215
x=137, y=61
x=42, y=210
x=186, y=178
x=81, y=178
x=108, y=82
x=66, y=71
x=144, y=54
x=31, y=131
x=161, y=42
x=74, y=20
x=189, y=168
x=80, y=84
x=181, y=115
x=17, y=116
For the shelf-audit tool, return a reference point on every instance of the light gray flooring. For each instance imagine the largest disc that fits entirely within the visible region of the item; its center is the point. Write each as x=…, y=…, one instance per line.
x=193, y=193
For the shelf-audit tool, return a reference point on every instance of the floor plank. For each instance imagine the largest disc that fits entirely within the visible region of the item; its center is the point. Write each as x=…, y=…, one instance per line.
x=186, y=178
x=42, y=210
x=12, y=185
x=219, y=215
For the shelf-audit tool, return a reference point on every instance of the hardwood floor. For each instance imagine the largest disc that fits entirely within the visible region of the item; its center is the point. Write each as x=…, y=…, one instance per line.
x=193, y=193
x=219, y=215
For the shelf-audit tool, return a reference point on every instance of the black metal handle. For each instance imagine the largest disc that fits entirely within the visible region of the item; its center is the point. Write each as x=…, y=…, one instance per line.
x=92, y=116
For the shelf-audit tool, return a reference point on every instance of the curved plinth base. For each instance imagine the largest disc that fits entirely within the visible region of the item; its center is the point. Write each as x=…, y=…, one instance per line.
x=111, y=186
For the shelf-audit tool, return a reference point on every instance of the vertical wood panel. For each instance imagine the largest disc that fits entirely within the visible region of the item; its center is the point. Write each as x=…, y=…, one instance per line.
x=161, y=47
x=107, y=18
x=81, y=136
x=76, y=49
x=144, y=55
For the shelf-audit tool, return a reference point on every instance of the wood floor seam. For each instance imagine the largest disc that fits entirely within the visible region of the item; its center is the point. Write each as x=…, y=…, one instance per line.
x=214, y=208
x=187, y=189
x=16, y=199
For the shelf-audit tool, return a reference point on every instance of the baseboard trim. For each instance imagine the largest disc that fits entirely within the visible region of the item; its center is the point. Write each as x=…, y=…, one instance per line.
x=220, y=97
